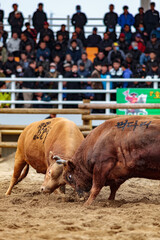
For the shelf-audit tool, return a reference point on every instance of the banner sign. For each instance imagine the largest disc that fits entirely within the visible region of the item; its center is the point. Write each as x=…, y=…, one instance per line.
x=138, y=95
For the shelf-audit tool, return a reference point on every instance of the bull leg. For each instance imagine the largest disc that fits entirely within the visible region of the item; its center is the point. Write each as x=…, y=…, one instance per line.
x=18, y=167
x=99, y=178
x=113, y=189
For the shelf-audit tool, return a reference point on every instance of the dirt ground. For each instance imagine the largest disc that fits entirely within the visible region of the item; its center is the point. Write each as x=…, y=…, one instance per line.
x=28, y=214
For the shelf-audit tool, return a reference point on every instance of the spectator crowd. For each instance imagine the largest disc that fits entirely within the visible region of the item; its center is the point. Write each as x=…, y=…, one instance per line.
x=131, y=54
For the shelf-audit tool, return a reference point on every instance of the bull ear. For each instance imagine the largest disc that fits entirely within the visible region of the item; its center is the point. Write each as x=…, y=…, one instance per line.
x=71, y=165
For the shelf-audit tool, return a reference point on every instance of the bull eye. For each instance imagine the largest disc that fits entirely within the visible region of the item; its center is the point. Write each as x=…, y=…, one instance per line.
x=70, y=178
x=49, y=172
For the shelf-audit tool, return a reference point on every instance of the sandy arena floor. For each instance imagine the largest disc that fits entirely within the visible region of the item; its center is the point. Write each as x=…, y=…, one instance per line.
x=28, y=214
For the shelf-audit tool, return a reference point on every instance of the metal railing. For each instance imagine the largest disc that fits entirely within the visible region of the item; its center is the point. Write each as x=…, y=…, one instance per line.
x=55, y=25
x=12, y=88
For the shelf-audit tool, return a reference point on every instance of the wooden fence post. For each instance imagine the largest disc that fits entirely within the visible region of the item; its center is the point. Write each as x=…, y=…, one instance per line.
x=87, y=122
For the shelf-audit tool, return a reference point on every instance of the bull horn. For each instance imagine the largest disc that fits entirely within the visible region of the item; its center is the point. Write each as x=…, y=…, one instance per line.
x=61, y=161
x=56, y=157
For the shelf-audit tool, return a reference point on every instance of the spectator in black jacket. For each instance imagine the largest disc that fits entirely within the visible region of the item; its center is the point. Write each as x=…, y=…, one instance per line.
x=30, y=32
x=73, y=85
x=123, y=45
x=64, y=33
x=39, y=17
x=106, y=43
x=154, y=43
x=10, y=65
x=79, y=19
x=4, y=34
x=16, y=21
x=139, y=18
x=110, y=18
x=151, y=18
x=115, y=54
x=80, y=35
x=94, y=39
x=74, y=51
x=25, y=41
x=29, y=73
x=100, y=59
x=46, y=31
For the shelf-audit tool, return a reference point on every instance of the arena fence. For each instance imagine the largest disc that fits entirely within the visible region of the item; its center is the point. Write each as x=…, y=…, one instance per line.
x=13, y=88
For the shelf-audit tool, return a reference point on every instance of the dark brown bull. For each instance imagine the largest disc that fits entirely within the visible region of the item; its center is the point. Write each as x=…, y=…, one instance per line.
x=115, y=151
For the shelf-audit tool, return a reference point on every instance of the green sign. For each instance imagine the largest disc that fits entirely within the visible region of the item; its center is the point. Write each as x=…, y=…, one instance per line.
x=138, y=95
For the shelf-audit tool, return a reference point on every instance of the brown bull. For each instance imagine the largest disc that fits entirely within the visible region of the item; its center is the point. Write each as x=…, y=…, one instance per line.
x=113, y=152
x=39, y=142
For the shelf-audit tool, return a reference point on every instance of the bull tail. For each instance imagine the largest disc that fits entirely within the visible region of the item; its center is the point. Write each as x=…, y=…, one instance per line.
x=24, y=174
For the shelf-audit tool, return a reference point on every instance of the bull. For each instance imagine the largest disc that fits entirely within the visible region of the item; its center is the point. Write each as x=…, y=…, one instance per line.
x=39, y=143
x=118, y=149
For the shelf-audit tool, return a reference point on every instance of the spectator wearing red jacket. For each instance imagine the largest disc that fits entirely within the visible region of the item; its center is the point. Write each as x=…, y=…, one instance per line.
x=140, y=42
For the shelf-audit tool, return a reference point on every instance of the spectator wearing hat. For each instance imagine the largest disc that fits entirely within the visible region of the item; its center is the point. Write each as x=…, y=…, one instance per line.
x=79, y=18
x=144, y=35
x=100, y=59
x=106, y=43
x=3, y=34
x=16, y=22
x=128, y=34
x=125, y=18
x=144, y=58
x=10, y=65
x=82, y=72
x=110, y=18
x=112, y=33
x=94, y=39
x=67, y=71
x=64, y=33
x=87, y=62
x=151, y=18
x=46, y=31
x=30, y=32
x=39, y=17
x=139, y=18
x=3, y=53
x=153, y=43
x=115, y=53
x=156, y=32
x=123, y=45
x=154, y=71
x=140, y=42
x=52, y=73
x=79, y=42
x=13, y=45
x=74, y=51
x=16, y=19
